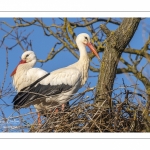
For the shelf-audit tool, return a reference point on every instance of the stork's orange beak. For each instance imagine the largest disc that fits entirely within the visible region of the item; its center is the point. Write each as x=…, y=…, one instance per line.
x=93, y=49
x=21, y=62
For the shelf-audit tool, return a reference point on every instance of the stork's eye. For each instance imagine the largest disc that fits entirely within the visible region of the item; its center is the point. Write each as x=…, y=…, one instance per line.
x=86, y=38
x=27, y=55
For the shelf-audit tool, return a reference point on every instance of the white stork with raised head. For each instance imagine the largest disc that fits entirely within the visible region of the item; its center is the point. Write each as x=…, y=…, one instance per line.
x=57, y=87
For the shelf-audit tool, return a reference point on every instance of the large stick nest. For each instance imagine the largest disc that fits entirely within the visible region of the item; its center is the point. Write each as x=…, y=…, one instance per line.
x=120, y=117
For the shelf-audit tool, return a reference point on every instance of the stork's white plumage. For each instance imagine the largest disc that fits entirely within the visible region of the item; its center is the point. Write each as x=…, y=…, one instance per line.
x=24, y=75
x=60, y=85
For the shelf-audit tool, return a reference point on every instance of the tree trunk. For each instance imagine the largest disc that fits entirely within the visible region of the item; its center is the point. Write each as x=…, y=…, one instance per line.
x=115, y=44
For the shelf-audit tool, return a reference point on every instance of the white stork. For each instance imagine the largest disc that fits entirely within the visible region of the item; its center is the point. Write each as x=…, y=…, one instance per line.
x=24, y=75
x=57, y=87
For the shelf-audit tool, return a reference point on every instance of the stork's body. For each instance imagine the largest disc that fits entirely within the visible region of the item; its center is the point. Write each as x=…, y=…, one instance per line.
x=61, y=84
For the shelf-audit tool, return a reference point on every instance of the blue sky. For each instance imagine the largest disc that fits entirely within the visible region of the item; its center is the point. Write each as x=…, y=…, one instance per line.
x=42, y=45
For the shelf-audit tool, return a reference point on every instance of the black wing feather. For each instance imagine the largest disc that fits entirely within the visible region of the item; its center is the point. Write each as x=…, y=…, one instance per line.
x=32, y=93
x=18, y=99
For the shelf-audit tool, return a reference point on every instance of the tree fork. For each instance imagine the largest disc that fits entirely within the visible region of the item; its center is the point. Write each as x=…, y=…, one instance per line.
x=115, y=44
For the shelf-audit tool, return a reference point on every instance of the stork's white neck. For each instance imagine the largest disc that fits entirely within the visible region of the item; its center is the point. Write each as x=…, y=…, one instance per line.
x=82, y=50
x=26, y=66
x=83, y=63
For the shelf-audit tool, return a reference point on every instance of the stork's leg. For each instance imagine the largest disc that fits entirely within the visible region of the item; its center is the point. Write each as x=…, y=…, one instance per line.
x=56, y=110
x=63, y=107
x=39, y=118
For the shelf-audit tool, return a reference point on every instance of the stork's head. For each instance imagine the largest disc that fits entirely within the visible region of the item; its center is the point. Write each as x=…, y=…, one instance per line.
x=85, y=39
x=28, y=58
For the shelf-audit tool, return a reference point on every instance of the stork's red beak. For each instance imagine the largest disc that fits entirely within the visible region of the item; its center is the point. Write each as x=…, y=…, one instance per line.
x=21, y=62
x=93, y=49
